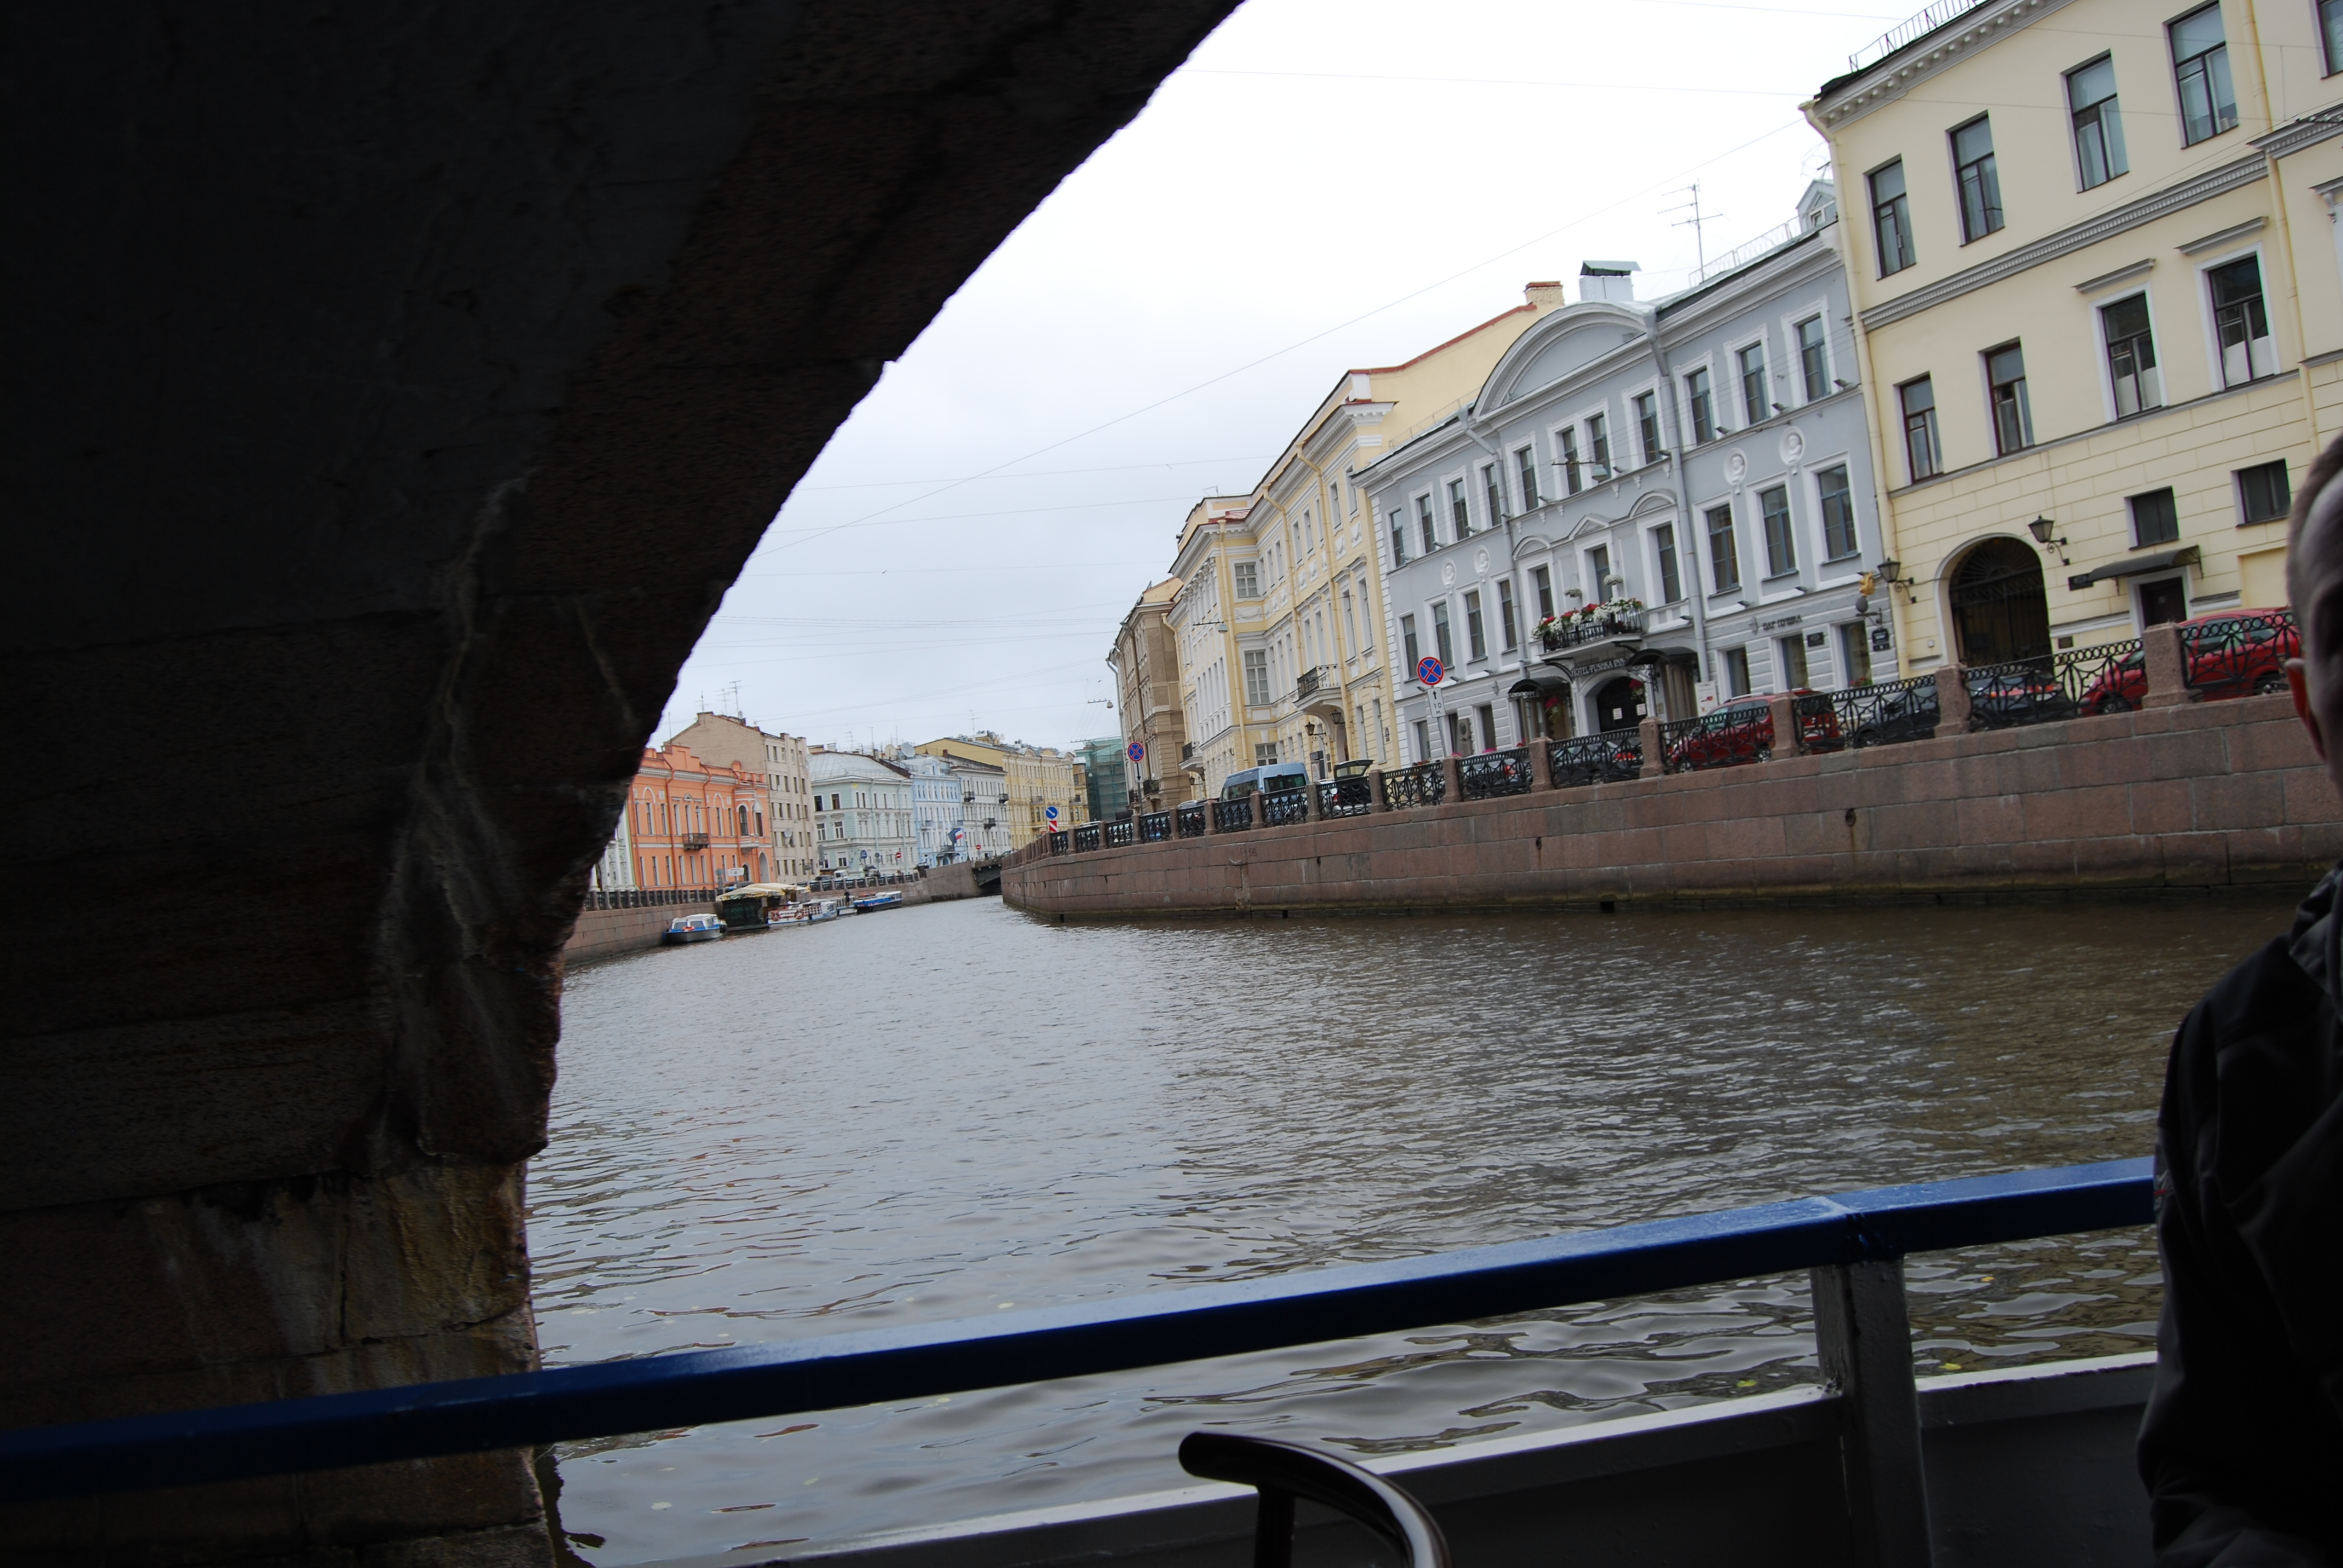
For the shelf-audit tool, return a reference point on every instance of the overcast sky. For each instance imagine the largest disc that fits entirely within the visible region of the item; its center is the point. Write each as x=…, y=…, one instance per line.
x=1322, y=186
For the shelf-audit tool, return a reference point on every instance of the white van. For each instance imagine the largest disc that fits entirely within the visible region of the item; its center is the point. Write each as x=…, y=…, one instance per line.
x=1276, y=776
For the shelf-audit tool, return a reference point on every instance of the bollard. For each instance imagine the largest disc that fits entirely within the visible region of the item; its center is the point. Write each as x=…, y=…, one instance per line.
x=1452, y=782
x=1647, y=735
x=1783, y=710
x=2167, y=679
x=1316, y=805
x=1376, y=791
x=1952, y=699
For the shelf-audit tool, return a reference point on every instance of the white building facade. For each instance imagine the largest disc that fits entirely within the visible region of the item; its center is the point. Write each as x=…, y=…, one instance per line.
x=936, y=807
x=985, y=809
x=863, y=814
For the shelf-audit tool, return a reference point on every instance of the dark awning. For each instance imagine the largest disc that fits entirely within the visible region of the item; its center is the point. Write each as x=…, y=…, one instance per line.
x=2135, y=566
x=1537, y=682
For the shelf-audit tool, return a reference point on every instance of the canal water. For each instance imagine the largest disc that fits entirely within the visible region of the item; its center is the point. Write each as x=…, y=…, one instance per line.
x=955, y=1110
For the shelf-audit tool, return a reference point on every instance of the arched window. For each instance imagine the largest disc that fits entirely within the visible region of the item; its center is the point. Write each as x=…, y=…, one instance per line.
x=2000, y=613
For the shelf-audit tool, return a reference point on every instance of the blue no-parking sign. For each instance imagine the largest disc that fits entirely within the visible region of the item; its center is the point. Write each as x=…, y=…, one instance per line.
x=1136, y=752
x=1429, y=671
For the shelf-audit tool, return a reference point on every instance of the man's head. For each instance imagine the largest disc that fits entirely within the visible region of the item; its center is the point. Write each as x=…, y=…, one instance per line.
x=2314, y=584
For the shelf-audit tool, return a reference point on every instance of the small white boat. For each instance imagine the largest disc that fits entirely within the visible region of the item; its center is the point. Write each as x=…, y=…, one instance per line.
x=692, y=928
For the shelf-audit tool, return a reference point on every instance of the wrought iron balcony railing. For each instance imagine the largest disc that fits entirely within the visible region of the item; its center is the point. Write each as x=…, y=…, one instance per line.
x=1608, y=624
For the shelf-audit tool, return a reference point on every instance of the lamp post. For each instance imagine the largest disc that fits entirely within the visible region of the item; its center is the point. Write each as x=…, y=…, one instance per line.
x=2042, y=529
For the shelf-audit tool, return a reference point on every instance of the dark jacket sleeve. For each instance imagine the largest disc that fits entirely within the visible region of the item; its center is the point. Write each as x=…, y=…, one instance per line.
x=2239, y=1446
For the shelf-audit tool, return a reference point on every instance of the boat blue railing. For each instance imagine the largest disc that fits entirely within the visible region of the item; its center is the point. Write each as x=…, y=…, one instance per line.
x=843, y=1371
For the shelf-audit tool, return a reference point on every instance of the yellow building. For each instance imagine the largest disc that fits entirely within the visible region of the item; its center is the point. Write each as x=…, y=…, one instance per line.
x=2092, y=251
x=1279, y=620
x=1039, y=777
x=1146, y=665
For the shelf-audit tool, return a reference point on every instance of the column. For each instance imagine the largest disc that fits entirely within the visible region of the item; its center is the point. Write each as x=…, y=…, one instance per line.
x=1952, y=700
x=1647, y=735
x=2167, y=681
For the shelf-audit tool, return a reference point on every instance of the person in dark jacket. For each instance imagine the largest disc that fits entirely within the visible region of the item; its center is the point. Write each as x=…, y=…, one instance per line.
x=2242, y=1450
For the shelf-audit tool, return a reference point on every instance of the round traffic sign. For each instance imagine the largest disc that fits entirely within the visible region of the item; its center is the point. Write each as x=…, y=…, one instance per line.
x=1052, y=814
x=1136, y=752
x=1429, y=671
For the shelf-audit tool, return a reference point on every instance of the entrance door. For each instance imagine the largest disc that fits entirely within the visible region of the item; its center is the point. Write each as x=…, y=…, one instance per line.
x=2164, y=599
x=2000, y=613
x=1619, y=703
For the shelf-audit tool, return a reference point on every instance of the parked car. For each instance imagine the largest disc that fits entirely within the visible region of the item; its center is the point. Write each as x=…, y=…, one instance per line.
x=2235, y=653
x=1905, y=713
x=1742, y=731
x=1273, y=777
x=2004, y=694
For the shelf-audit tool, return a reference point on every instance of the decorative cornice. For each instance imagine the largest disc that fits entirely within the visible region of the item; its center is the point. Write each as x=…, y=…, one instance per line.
x=2121, y=275
x=2308, y=131
x=1853, y=96
x=2213, y=183
x=2221, y=236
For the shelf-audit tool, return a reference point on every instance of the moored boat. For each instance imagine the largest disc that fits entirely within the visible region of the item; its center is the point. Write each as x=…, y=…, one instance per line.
x=692, y=928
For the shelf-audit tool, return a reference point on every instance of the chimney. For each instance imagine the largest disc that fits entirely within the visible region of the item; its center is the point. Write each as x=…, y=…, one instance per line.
x=1544, y=295
x=1608, y=280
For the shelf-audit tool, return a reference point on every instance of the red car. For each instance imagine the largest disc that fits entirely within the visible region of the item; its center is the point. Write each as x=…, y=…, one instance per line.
x=2236, y=653
x=1742, y=731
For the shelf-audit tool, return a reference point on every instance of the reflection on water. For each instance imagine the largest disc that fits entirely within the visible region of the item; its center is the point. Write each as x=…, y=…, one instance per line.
x=953, y=1111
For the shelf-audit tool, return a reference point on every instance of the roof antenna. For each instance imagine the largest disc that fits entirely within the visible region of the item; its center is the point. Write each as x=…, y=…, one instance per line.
x=1693, y=223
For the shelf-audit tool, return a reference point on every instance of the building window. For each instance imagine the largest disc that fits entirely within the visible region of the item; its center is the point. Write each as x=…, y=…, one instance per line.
x=1891, y=219
x=1505, y=613
x=2263, y=494
x=1854, y=654
x=1980, y=185
x=1781, y=550
x=1475, y=636
x=1459, y=516
x=1493, y=490
x=1814, y=359
x=2131, y=357
x=2013, y=420
x=1565, y=441
x=1920, y=449
x=1407, y=638
x=1598, y=438
x=2154, y=520
x=1525, y=462
x=1647, y=425
x=1350, y=622
x=1426, y=524
x=1756, y=405
x=2330, y=35
x=1442, y=644
x=1791, y=661
x=1838, y=496
x=1663, y=550
x=1256, y=677
x=1264, y=754
x=1704, y=406
x=1541, y=580
x=1422, y=742
x=1248, y=575
x=1598, y=572
x=1398, y=540
x=1736, y=672
x=2200, y=64
x=1724, y=554
x=2098, y=122
x=2241, y=324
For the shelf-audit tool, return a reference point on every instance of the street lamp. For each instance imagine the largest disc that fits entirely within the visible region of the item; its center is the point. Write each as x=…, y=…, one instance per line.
x=2042, y=529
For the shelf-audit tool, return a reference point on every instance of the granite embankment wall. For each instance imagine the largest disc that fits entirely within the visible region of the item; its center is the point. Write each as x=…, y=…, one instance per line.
x=605, y=933
x=2184, y=796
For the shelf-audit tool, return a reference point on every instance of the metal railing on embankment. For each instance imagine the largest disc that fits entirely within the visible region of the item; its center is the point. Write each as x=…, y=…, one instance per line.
x=1853, y=1244
x=646, y=898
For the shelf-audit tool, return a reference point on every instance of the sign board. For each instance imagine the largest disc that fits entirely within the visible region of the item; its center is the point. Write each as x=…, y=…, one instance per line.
x=1052, y=814
x=1135, y=751
x=1704, y=694
x=1429, y=671
x=1880, y=641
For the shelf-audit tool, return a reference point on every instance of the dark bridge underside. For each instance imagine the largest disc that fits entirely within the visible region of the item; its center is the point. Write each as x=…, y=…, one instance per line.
x=396, y=391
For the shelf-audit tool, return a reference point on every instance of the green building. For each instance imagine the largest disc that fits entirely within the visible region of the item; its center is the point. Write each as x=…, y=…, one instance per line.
x=1109, y=778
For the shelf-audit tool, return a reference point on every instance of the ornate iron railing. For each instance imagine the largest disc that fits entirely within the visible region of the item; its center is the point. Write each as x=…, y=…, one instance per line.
x=920, y=1361
x=1577, y=630
x=2104, y=677
x=1884, y=713
x=1906, y=31
x=1495, y=773
x=1734, y=734
x=1087, y=838
x=646, y=897
x=1345, y=798
x=2022, y=691
x=1404, y=789
x=1232, y=816
x=1595, y=758
x=1155, y=828
x=1283, y=807
x=1817, y=717
x=1120, y=833
x=1188, y=820
x=2239, y=655
x=1060, y=844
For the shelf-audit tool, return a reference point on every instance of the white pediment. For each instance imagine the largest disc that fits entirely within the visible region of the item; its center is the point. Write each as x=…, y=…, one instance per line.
x=1570, y=351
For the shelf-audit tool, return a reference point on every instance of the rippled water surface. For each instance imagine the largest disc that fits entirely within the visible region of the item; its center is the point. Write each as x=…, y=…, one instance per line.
x=951, y=1110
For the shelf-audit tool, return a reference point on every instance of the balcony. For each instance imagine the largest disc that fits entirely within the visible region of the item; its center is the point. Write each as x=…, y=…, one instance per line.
x=1580, y=636
x=1320, y=691
x=693, y=840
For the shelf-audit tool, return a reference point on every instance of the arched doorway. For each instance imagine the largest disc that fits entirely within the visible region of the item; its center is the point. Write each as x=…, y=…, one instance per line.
x=1619, y=703
x=1999, y=611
